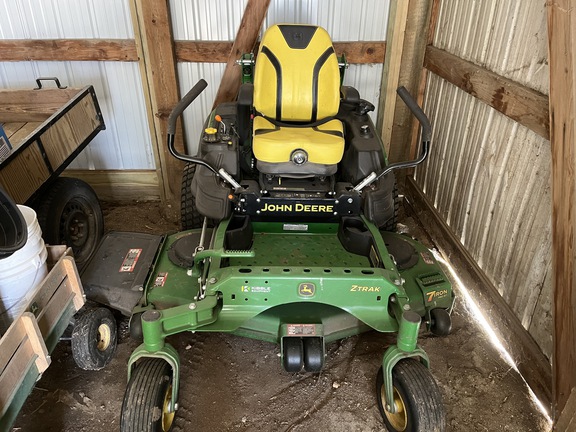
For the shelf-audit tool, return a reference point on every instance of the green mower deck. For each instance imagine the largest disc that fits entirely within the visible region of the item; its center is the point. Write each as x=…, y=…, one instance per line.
x=302, y=296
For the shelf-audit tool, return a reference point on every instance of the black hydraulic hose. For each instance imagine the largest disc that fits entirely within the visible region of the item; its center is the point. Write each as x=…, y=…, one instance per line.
x=173, y=117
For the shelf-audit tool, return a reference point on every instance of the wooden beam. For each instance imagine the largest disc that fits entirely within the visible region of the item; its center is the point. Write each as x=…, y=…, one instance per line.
x=203, y=51
x=391, y=71
x=562, y=52
x=218, y=52
x=431, y=31
x=522, y=104
x=409, y=77
x=567, y=419
x=531, y=362
x=153, y=32
x=120, y=185
x=245, y=41
x=68, y=50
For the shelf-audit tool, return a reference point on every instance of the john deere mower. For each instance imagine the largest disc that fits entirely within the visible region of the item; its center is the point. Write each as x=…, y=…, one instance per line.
x=289, y=210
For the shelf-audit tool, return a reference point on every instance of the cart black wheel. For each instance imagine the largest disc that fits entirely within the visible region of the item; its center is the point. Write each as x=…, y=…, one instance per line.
x=416, y=396
x=147, y=398
x=440, y=322
x=293, y=350
x=94, y=338
x=189, y=216
x=69, y=213
x=313, y=354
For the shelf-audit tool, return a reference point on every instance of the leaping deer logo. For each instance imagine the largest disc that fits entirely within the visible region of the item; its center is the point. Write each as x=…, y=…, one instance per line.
x=306, y=289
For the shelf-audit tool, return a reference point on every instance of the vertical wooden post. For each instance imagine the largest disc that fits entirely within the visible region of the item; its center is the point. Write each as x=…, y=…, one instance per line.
x=391, y=71
x=409, y=76
x=153, y=33
x=245, y=42
x=432, y=21
x=562, y=53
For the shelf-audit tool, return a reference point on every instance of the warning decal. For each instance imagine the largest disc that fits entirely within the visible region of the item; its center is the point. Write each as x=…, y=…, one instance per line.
x=160, y=279
x=130, y=261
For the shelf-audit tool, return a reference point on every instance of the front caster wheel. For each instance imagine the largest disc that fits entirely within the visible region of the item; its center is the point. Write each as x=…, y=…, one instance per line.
x=94, y=338
x=416, y=397
x=147, y=399
x=440, y=322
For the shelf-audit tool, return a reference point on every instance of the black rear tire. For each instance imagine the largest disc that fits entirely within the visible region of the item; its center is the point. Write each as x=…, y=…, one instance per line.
x=149, y=391
x=94, y=338
x=418, y=397
x=390, y=224
x=190, y=218
x=69, y=213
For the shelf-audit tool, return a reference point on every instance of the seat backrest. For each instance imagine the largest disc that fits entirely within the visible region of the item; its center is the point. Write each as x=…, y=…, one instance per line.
x=297, y=76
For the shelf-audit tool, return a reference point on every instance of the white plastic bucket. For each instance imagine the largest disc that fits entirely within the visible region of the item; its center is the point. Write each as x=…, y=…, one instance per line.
x=22, y=271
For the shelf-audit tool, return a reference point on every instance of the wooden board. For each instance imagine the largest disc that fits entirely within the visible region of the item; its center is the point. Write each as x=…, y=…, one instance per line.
x=70, y=130
x=21, y=176
x=32, y=105
x=120, y=185
x=522, y=104
x=367, y=52
x=244, y=42
x=562, y=49
x=18, y=133
x=21, y=348
x=68, y=50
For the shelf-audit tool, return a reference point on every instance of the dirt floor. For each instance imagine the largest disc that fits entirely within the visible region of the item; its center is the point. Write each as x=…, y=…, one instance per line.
x=231, y=383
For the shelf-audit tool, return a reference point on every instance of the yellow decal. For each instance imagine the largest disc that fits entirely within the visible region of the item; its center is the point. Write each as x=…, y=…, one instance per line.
x=358, y=288
x=432, y=295
x=303, y=208
x=306, y=289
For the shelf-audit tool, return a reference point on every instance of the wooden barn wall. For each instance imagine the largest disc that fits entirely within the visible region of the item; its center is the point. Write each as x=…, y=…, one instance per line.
x=205, y=20
x=489, y=176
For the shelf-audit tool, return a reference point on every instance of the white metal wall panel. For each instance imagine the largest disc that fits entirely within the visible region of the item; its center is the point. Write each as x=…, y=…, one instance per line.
x=488, y=177
x=54, y=19
x=506, y=37
x=209, y=20
x=126, y=142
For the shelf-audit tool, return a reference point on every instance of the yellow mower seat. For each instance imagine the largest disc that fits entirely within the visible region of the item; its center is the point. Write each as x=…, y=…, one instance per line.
x=296, y=96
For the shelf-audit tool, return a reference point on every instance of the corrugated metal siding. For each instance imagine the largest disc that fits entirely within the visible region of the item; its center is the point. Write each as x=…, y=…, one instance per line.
x=126, y=142
x=209, y=20
x=488, y=176
x=506, y=37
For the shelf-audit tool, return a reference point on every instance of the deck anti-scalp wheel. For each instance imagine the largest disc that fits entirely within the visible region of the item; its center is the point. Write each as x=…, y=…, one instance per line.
x=416, y=396
x=94, y=338
x=293, y=354
x=440, y=322
x=313, y=354
x=148, y=397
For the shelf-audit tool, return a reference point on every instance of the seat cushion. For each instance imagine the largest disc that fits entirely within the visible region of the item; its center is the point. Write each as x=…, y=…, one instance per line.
x=324, y=144
x=296, y=77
